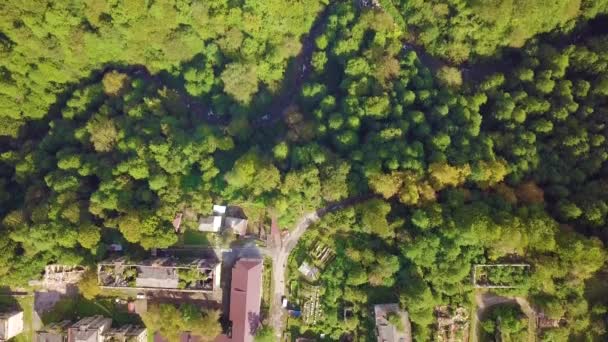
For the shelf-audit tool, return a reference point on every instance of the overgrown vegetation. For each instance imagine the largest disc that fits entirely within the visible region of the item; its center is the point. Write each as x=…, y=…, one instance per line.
x=220, y=49
x=116, y=116
x=170, y=321
x=506, y=321
x=422, y=268
x=459, y=30
x=265, y=334
x=395, y=319
x=191, y=278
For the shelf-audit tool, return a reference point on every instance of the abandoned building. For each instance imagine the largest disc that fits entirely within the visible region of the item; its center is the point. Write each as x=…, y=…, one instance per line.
x=245, y=300
x=224, y=217
x=451, y=323
x=160, y=273
x=237, y=225
x=310, y=272
x=11, y=324
x=126, y=333
x=213, y=223
x=91, y=329
x=57, y=282
x=60, y=275
x=387, y=331
x=157, y=277
x=545, y=322
x=54, y=332
x=322, y=254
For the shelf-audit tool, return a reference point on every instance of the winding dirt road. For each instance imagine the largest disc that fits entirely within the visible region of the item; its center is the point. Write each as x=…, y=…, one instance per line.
x=279, y=263
x=486, y=300
x=281, y=253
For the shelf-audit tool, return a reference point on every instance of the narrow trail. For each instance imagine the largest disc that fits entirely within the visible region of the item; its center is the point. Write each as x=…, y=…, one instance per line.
x=288, y=243
x=301, y=68
x=486, y=300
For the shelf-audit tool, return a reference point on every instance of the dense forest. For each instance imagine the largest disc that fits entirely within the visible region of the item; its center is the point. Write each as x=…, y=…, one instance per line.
x=467, y=132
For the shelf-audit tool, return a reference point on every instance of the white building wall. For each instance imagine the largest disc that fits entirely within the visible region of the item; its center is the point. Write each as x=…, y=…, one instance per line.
x=13, y=325
x=217, y=275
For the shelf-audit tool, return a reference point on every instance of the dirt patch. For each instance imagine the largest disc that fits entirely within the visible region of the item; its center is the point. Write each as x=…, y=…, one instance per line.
x=486, y=300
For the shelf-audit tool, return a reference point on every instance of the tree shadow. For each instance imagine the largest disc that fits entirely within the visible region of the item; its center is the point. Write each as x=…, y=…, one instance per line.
x=75, y=308
x=254, y=322
x=8, y=302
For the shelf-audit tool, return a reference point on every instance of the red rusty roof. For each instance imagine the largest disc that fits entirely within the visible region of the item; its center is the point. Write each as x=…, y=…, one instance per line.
x=177, y=221
x=245, y=299
x=275, y=231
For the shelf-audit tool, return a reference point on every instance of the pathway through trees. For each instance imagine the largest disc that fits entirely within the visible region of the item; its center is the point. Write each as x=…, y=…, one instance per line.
x=288, y=243
x=301, y=70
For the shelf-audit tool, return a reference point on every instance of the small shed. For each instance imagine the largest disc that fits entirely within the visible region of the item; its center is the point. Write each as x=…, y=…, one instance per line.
x=210, y=224
x=310, y=272
x=238, y=225
x=545, y=322
x=219, y=209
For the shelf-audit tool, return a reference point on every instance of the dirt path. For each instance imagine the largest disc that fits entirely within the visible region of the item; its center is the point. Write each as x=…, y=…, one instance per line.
x=279, y=263
x=281, y=254
x=301, y=70
x=486, y=300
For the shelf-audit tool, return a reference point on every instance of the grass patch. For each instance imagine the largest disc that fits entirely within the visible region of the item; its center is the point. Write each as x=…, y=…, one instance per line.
x=27, y=305
x=121, y=294
x=193, y=237
x=267, y=287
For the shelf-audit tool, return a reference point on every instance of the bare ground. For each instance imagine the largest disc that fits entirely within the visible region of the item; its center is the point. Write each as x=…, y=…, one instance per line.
x=486, y=300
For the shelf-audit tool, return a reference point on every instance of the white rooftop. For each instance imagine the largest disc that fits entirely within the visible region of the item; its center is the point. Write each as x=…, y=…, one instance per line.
x=210, y=224
x=219, y=209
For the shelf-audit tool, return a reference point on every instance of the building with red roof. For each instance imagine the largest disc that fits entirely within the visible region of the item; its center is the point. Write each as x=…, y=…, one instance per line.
x=245, y=299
